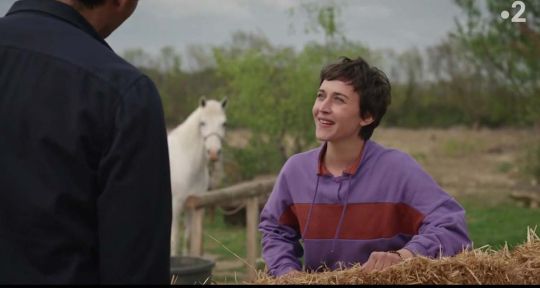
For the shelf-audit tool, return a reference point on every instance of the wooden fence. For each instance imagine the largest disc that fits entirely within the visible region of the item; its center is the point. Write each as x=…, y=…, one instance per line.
x=247, y=193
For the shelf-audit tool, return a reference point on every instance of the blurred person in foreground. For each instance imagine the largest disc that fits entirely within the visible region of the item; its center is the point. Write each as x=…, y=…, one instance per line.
x=85, y=193
x=352, y=200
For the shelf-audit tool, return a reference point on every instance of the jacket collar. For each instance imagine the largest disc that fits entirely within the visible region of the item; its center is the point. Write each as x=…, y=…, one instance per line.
x=351, y=170
x=58, y=10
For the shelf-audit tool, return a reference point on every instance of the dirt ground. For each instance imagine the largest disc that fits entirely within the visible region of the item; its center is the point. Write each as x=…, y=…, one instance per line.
x=463, y=161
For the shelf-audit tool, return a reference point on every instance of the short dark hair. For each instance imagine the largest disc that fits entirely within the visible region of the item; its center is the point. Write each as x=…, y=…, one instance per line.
x=91, y=3
x=370, y=83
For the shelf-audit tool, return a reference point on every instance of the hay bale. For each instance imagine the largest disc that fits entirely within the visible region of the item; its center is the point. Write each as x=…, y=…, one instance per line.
x=527, y=259
x=478, y=266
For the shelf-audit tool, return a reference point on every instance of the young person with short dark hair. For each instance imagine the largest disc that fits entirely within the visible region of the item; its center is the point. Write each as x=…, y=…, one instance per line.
x=352, y=200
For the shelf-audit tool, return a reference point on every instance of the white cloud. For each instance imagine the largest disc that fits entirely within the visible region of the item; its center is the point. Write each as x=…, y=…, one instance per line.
x=278, y=4
x=191, y=8
x=368, y=10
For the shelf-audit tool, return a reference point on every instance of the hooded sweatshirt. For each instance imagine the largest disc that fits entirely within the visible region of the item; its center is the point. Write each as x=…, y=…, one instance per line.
x=384, y=201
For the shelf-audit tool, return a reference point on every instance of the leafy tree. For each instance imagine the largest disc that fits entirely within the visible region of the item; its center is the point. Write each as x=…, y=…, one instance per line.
x=510, y=50
x=321, y=16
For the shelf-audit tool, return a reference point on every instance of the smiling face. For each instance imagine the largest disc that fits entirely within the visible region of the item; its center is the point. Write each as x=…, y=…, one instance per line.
x=337, y=112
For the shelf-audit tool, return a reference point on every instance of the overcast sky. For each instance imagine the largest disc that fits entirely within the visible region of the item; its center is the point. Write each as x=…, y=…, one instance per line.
x=396, y=24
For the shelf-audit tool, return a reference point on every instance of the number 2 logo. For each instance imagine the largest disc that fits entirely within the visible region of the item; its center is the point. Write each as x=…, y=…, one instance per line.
x=517, y=17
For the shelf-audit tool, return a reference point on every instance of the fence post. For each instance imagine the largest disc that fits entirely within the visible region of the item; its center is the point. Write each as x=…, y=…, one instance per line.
x=252, y=220
x=196, y=239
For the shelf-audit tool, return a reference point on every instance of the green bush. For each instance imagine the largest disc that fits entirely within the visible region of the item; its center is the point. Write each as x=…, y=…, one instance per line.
x=257, y=158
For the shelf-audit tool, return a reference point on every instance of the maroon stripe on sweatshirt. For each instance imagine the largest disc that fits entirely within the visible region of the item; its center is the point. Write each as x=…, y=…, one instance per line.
x=363, y=221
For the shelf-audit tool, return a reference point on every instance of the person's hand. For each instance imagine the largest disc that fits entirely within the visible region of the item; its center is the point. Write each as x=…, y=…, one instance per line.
x=379, y=261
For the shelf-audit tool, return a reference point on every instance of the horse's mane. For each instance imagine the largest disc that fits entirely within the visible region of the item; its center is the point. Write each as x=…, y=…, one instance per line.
x=191, y=122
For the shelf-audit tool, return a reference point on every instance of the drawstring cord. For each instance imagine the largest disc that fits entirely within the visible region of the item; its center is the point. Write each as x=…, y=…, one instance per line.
x=342, y=216
x=311, y=207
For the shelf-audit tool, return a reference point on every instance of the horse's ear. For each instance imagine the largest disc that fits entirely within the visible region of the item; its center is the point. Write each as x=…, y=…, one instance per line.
x=224, y=102
x=202, y=101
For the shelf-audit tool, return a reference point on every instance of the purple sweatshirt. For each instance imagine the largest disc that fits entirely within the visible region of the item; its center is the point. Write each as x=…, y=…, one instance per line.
x=386, y=201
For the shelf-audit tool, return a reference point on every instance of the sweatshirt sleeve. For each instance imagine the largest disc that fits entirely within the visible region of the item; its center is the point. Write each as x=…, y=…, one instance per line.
x=281, y=249
x=443, y=231
x=134, y=207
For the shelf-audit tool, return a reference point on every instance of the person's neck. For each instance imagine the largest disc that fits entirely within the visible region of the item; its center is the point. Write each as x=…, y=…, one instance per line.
x=340, y=155
x=97, y=19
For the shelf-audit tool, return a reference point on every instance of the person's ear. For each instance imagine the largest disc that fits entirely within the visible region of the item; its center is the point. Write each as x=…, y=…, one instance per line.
x=126, y=6
x=118, y=4
x=366, y=120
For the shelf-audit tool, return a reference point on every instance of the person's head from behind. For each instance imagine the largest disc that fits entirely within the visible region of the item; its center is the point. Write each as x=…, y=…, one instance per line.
x=104, y=15
x=352, y=99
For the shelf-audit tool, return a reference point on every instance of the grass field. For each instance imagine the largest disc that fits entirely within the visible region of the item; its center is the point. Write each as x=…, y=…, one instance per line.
x=497, y=224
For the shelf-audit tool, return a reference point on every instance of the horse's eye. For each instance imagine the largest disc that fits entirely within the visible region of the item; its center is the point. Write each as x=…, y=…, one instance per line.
x=202, y=124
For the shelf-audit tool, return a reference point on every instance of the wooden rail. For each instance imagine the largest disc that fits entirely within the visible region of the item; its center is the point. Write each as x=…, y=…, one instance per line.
x=248, y=193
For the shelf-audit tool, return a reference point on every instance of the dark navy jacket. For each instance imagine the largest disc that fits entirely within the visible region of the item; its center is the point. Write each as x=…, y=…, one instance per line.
x=85, y=191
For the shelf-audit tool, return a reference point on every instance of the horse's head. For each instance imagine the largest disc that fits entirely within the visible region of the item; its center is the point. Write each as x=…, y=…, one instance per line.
x=212, y=126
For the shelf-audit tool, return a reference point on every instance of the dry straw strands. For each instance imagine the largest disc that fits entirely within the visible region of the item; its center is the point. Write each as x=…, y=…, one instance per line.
x=478, y=266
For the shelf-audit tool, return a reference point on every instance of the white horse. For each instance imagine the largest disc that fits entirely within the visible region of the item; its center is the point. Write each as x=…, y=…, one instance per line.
x=192, y=145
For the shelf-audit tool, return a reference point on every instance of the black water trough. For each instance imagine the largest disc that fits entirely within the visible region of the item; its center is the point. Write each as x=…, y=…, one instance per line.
x=191, y=270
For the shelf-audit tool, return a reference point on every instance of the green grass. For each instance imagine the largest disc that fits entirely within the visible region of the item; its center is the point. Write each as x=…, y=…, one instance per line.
x=491, y=221
x=228, y=243
x=495, y=224
x=232, y=238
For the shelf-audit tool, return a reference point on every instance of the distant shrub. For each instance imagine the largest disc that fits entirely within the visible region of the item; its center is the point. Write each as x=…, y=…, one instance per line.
x=258, y=158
